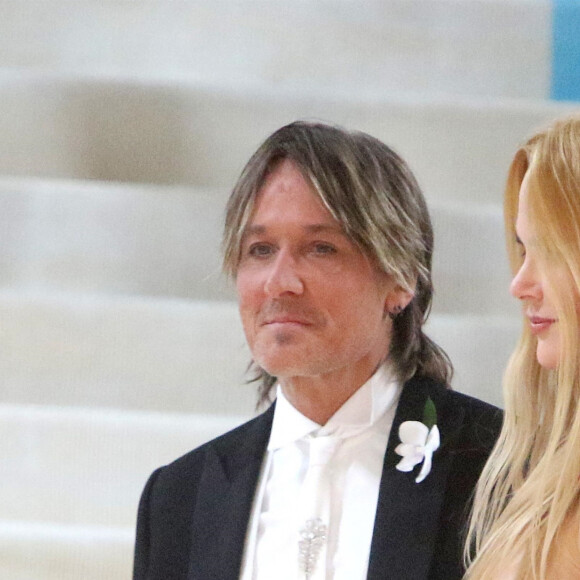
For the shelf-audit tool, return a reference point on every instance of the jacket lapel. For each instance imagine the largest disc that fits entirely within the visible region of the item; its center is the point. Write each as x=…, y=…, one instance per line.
x=408, y=513
x=224, y=500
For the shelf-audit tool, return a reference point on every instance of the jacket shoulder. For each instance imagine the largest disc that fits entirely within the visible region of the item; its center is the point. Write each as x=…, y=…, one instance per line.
x=251, y=434
x=164, y=520
x=481, y=422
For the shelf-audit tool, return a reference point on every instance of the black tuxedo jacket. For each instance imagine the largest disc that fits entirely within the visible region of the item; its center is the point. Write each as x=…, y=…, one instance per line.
x=194, y=512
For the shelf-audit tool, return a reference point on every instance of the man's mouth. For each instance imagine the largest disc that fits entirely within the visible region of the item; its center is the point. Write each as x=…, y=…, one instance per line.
x=289, y=320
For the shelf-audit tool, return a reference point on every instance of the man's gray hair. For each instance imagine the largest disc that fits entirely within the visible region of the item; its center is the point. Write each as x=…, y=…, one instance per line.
x=376, y=199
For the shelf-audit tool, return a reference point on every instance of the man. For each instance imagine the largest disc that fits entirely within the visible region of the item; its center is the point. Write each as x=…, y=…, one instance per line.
x=329, y=240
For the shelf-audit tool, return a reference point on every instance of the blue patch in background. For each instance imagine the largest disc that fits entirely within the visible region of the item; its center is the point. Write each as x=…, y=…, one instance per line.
x=566, y=50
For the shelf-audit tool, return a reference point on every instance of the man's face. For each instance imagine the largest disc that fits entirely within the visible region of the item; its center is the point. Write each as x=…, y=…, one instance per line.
x=311, y=303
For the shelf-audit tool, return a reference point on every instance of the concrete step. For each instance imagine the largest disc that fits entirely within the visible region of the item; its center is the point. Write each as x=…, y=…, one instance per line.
x=375, y=46
x=126, y=239
x=185, y=134
x=471, y=274
x=171, y=355
x=102, y=237
x=144, y=354
x=479, y=348
x=79, y=466
x=33, y=551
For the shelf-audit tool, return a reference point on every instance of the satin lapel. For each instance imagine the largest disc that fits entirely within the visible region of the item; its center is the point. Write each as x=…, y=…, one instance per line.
x=224, y=501
x=408, y=513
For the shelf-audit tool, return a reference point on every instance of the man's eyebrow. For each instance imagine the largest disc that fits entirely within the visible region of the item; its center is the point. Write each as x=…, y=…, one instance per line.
x=254, y=230
x=258, y=229
x=316, y=228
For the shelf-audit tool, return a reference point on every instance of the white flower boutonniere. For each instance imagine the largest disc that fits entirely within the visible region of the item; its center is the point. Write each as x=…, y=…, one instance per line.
x=418, y=442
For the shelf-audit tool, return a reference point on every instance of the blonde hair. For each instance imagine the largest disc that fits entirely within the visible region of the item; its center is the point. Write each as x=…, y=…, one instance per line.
x=375, y=197
x=530, y=485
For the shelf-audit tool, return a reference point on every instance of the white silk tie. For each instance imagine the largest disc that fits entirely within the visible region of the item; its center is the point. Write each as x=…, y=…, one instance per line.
x=316, y=493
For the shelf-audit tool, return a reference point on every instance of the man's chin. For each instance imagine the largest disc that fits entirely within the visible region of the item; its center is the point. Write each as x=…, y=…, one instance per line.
x=283, y=366
x=280, y=370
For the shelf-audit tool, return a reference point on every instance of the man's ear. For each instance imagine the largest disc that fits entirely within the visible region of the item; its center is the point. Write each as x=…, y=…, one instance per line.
x=398, y=299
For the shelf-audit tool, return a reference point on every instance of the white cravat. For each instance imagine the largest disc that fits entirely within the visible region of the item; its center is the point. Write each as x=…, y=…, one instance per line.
x=330, y=473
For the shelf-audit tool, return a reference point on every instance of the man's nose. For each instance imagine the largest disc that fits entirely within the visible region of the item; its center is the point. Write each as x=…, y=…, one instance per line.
x=283, y=277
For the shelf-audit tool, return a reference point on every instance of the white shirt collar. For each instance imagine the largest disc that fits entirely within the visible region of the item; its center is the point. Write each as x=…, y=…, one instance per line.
x=370, y=402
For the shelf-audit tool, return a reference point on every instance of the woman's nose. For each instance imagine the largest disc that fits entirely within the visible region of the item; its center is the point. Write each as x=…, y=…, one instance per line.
x=525, y=285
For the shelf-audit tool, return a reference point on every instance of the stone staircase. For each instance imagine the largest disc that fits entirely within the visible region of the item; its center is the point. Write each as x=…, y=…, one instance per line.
x=123, y=125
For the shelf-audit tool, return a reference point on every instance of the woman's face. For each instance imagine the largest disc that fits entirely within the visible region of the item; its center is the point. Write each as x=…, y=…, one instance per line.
x=530, y=286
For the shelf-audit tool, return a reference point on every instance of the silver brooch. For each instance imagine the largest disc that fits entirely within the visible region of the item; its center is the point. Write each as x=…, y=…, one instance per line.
x=312, y=538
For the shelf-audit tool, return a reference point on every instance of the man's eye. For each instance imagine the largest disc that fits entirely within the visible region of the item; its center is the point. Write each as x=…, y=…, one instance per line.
x=260, y=250
x=324, y=249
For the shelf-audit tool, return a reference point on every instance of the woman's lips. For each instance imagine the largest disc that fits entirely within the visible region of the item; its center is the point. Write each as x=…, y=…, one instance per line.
x=539, y=324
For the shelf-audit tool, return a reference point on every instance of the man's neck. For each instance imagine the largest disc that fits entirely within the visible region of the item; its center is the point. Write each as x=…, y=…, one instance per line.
x=319, y=398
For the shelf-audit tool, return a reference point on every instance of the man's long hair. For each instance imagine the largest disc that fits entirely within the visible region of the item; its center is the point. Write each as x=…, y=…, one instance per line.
x=373, y=195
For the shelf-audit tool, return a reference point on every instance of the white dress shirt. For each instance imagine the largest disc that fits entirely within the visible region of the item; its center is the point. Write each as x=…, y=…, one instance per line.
x=351, y=487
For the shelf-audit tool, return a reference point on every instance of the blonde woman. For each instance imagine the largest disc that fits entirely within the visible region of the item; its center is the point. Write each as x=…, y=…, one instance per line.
x=526, y=516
